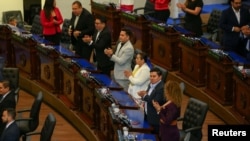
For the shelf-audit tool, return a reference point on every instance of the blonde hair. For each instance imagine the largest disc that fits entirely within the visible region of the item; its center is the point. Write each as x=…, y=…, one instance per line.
x=173, y=92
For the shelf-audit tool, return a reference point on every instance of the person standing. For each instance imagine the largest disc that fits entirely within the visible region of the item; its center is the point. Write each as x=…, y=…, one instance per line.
x=51, y=19
x=170, y=112
x=233, y=20
x=7, y=100
x=192, y=9
x=101, y=40
x=122, y=57
x=11, y=131
x=155, y=91
x=161, y=8
x=81, y=24
x=139, y=77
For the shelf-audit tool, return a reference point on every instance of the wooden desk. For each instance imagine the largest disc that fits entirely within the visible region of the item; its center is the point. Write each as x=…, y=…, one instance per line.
x=241, y=99
x=140, y=27
x=137, y=122
x=192, y=62
x=120, y=97
x=6, y=49
x=219, y=82
x=112, y=15
x=164, y=47
x=69, y=76
x=26, y=55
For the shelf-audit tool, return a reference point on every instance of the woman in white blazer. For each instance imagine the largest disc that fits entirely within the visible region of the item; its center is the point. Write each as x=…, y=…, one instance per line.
x=139, y=77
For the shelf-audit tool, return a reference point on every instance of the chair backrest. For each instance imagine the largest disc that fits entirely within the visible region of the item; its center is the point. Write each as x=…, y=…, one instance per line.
x=11, y=74
x=194, y=116
x=213, y=21
x=48, y=128
x=65, y=38
x=36, y=26
x=13, y=13
x=35, y=110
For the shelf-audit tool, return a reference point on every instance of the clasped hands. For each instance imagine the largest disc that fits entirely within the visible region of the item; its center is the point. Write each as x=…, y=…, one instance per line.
x=108, y=52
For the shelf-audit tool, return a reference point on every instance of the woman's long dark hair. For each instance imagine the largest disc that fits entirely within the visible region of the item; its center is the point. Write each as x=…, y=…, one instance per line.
x=48, y=7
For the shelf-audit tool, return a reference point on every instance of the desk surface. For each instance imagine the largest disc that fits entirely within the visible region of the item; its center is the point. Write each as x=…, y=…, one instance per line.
x=105, y=81
x=84, y=64
x=123, y=99
x=139, y=136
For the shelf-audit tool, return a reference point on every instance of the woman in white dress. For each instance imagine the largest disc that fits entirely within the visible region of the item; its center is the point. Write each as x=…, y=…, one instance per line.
x=139, y=77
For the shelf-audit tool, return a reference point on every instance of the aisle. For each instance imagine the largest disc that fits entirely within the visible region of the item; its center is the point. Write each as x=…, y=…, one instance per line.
x=63, y=130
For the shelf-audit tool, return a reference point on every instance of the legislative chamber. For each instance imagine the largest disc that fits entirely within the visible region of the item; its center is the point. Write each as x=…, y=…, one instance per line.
x=71, y=83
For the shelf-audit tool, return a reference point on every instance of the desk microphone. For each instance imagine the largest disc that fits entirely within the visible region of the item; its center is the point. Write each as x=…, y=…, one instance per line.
x=125, y=120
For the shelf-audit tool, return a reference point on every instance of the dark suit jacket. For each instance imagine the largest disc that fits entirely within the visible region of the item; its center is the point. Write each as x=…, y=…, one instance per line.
x=86, y=25
x=12, y=133
x=158, y=95
x=231, y=40
x=103, y=41
x=8, y=102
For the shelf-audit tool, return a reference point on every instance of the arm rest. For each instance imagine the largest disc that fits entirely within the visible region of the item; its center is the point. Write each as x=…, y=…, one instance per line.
x=33, y=133
x=23, y=110
x=137, y=9
x=180, y=118
x=16, y=90
x=23, y=119
x=193, y=129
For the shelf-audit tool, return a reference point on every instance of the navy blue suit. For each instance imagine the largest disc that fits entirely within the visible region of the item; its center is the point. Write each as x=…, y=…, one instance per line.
x=12, y=133
x=231, y=41
x=158, y=95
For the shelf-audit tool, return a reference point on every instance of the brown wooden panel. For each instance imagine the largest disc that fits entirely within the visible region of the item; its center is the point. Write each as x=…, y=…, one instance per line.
x=241, y=102
x=164, y=49
x=193, y=64
x=219, y=80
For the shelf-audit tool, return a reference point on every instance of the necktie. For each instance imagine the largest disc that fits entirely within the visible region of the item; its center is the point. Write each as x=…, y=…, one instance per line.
x=120, y=47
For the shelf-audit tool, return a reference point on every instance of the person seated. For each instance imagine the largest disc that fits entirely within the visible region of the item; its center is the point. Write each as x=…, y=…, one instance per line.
x=12, y=21
x=139, y=77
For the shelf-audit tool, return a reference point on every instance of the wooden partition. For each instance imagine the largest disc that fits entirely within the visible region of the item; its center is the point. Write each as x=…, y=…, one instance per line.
x=219, y=82
x=140, y=28
x=164, y=47
x=6, y=48
x=241, y=99
x=192, y=61
x=26, y=55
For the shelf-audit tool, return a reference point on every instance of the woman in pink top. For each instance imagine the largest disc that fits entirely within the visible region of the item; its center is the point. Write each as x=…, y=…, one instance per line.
x=162, y=11
x=51, y=19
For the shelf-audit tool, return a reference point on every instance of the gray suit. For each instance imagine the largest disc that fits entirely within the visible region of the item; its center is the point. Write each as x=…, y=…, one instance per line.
x=122, y=59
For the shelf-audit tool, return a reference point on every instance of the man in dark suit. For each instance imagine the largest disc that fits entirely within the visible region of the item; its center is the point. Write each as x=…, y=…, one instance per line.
x=155, y=92
x=81, y=24
x=11, y=131
x=7, y=100
x=100, y=41
x=233, y=20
